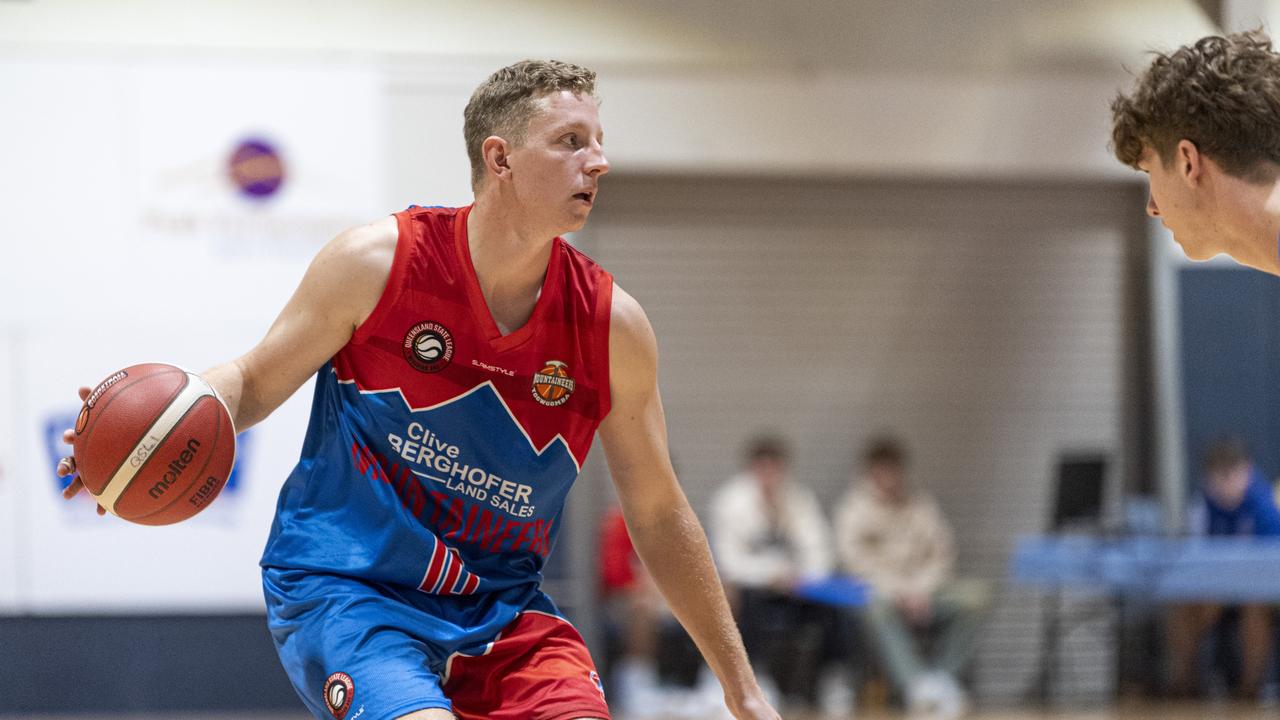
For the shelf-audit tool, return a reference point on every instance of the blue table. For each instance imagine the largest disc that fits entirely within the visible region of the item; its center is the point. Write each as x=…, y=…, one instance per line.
x=1201, y=569
x=1226, y=570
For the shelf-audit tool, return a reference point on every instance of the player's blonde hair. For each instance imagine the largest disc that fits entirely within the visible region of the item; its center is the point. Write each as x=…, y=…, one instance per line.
x=1222, y=93
x=504, y=104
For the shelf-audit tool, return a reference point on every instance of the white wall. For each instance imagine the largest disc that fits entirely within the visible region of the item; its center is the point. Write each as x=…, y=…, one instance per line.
x=125, y=241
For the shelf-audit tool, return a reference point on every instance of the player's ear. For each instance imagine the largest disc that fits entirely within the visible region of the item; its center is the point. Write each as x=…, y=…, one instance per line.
x=1189, y=162
x=495, y=151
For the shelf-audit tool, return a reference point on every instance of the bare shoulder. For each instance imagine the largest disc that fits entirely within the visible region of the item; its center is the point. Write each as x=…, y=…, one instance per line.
x=352, y=269
x=370, y=247
x=633, y=348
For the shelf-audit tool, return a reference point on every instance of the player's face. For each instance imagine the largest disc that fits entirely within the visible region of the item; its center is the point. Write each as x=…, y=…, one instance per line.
x=1172, y=201
x=556, y=171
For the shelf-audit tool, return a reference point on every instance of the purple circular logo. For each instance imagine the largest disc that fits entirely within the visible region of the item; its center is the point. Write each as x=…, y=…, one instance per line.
x=256, y=168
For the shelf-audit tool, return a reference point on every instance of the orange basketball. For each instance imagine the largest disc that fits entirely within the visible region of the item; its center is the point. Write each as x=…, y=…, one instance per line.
x=154, y=444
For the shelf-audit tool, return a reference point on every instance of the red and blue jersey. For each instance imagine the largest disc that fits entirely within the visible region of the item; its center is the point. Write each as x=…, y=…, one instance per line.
x=440, y=452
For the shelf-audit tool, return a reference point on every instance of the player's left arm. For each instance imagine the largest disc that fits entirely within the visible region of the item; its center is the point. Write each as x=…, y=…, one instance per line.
x=665, y=531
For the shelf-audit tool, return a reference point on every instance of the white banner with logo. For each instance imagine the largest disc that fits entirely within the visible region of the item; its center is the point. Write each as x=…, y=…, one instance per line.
x=159, y=211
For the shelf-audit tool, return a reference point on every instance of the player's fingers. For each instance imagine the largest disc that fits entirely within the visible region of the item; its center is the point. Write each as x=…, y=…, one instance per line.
x=66, y=466
x=69, y=437
x=84, y=393
x=70, y=491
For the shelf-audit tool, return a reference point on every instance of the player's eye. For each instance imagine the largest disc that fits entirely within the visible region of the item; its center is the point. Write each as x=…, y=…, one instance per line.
x=571, y=140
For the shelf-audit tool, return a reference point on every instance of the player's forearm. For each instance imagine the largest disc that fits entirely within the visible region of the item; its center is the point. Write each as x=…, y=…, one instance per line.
x=675, y=551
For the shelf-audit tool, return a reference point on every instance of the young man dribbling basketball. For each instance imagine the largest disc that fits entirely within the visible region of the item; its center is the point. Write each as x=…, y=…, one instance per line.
x=465, y=358
x=1204, y=123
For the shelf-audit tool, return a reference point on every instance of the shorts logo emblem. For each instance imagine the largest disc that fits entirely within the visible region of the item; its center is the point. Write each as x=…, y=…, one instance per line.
x=339, y=691
x=595, y=679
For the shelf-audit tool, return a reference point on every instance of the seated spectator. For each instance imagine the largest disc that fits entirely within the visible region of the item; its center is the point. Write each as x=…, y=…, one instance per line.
x=769, y=534
x=895, y=539
x=1235, y=499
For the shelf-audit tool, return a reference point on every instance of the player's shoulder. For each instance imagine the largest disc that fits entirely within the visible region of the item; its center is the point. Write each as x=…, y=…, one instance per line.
x=627, y=318
x=633, y=349
x=374, y=237
x=368, y=248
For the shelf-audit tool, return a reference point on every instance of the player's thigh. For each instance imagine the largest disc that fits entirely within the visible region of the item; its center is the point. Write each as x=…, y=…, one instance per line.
x=349, y=650
x=446, y=715
x=538, y=668
x=433, y=714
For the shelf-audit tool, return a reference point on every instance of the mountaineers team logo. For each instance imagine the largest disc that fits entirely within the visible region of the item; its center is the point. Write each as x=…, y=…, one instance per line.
x=428, y=346
x=552, y=385
x=339, y=691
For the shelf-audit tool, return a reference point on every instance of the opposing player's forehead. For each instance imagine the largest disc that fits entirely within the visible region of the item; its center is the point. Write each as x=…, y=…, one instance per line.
x=1148, y=159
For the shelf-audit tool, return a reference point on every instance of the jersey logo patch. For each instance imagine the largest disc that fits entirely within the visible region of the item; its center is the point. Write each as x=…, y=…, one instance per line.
x=428, y=346
x=552, y=385
x=339, y=691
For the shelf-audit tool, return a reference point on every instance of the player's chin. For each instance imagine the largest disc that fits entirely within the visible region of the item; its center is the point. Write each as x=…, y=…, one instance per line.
x=575, y=222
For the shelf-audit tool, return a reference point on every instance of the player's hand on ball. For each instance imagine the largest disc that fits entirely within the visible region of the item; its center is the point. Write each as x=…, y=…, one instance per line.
x=67, y=465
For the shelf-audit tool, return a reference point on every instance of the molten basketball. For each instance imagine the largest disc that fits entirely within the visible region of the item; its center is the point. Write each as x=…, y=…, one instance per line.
x=154, y=444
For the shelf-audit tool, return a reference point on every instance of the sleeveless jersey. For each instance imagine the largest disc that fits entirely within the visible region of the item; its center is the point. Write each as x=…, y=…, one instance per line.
x=439, y=451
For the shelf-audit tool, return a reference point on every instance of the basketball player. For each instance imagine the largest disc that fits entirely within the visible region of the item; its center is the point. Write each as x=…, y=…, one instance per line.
x=464, y=358
x=1204, y=123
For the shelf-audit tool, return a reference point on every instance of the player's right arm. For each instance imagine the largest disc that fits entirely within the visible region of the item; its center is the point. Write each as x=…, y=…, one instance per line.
x=337, y=294
x=339, y=291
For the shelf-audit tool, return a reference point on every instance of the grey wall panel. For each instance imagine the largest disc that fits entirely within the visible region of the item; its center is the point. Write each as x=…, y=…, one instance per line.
x=985, y=323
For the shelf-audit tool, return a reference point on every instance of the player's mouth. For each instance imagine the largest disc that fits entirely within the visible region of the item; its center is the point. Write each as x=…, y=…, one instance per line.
x=586, y=197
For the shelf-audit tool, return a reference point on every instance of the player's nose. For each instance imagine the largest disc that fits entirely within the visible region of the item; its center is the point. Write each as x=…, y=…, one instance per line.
x=597, y=163
x=1152, y=210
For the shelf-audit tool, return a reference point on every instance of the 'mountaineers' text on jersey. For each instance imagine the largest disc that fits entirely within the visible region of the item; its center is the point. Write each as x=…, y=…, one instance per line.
x=440, y=452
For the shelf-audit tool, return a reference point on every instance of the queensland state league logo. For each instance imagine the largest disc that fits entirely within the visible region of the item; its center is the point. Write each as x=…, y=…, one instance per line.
x=428, y=346
x=552, y=385
x=339, y=691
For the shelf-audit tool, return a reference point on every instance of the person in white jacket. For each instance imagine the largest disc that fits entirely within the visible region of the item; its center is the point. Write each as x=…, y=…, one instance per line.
x=895, y=539
x=768, y=535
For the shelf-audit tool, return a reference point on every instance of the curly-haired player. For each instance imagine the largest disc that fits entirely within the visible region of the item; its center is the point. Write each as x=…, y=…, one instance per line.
x=1204, y=123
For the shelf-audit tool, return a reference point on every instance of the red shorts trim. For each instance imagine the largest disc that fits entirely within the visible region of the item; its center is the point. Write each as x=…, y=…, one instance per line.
x=538, y=668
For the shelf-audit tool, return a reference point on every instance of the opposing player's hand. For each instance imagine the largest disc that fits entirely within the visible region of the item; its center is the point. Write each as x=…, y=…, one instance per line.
x=67, y=465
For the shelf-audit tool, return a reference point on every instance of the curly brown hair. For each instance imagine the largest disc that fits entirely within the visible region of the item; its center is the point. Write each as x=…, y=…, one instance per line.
x=1222, y=93
x=503, y=104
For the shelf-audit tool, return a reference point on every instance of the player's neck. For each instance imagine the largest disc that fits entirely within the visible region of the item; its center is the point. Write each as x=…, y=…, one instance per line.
x=510, y=261
x=1270, y=223
x=1248, y=219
